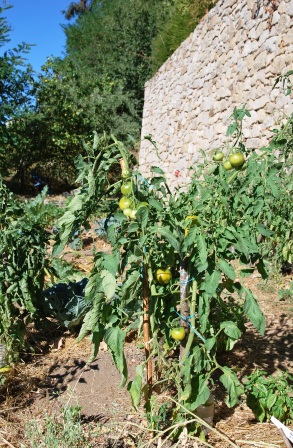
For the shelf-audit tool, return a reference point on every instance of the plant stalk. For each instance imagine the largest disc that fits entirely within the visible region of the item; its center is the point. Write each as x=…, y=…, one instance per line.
x=146, y=331
x=192, y=322
x=184, y=308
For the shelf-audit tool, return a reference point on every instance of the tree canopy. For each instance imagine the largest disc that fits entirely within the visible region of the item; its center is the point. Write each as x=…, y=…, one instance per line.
x=112, y=49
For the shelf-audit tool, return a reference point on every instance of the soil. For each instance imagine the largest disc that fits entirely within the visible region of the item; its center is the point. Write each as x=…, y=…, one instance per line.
x=58, y=376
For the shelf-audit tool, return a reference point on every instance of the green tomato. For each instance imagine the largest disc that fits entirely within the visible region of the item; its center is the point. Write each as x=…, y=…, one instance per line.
x=227, y=165
x=237, y=159
x=218, y=156
x=142, y=204
x=126, y=189
x=127, y=211
x=126, y=174
x=178, y=333
x=125, y=203
x=163, y=276
x=132, y=214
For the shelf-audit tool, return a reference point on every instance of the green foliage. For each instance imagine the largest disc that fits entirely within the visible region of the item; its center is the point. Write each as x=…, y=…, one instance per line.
x=268, y=395
x=184, y=16
x=16, y=89
x=58, y=431
x=64, y=302
x=156, y=238
x=231, y=237
x=23, y=248
x=286, y=293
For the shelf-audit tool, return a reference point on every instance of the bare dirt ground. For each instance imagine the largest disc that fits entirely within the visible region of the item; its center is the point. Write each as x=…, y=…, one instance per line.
x=58, y=375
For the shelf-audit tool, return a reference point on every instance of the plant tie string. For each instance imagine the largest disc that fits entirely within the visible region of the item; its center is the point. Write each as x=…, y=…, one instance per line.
x=184, y=282
x=186, y=319
x=139, y=177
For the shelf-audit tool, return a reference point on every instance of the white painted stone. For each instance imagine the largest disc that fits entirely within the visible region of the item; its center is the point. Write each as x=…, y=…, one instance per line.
x=271, y=44
x=289, y=8
x=252, y=143
x=275, y=18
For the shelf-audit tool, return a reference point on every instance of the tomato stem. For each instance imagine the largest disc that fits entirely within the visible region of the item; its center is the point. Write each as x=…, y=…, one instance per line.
x=192, y=322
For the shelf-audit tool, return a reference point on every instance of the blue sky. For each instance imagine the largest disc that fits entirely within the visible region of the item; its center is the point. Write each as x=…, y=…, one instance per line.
x=37, y=22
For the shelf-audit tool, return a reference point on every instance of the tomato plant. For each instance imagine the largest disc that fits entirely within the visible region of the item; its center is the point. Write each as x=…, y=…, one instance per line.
x=23, y=247
x=207, y=295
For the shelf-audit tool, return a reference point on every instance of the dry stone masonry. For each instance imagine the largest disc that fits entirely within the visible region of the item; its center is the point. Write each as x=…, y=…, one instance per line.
x=231, y=59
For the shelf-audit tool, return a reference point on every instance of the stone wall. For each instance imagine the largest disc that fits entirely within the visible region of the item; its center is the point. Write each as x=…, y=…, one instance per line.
x=232, y=58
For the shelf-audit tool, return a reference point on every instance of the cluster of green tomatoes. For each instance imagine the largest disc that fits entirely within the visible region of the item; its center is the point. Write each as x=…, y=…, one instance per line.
x=163, y=277
x=128, y=203
x=235, y=160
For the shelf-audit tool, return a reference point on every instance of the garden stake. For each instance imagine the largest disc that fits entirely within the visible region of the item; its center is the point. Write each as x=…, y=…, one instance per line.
x=184, y=308
x=146, y=331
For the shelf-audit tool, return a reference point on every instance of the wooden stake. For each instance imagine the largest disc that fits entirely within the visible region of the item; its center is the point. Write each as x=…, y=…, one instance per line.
x=184, y=308
x=122, y=164
x=146, y=330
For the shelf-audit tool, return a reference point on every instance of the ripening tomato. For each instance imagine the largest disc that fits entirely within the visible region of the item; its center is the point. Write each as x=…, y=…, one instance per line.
x=163, y=276
x=178, y=333
x=132, y=214
x=227, y=165
x=237, y=159
x=126, y=189
x=127, y=211
x=125, y=203
x=193, y=221
x=218, y=156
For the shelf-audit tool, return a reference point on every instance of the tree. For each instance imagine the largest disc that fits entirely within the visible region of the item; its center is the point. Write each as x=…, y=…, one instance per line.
x=75, y=9
x=16, y=90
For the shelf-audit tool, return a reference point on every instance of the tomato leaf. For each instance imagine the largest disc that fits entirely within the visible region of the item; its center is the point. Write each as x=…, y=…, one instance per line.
x=264, y=231
x=202, y=252
x=108, y=283
x=129, y=285
x=89, y=322
x=200, y=391
x=212, y=282
x=96, y=338
x=253, y=311
x=165, y=232
x=114, y=338
x=233, y=386
x=156, y=169
x=111, y=234
x=135, y=387
x=156, y=204
x=142, y=215
x=226, y=268
x=110, y=263
x=209, y=343
x=231, y=329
